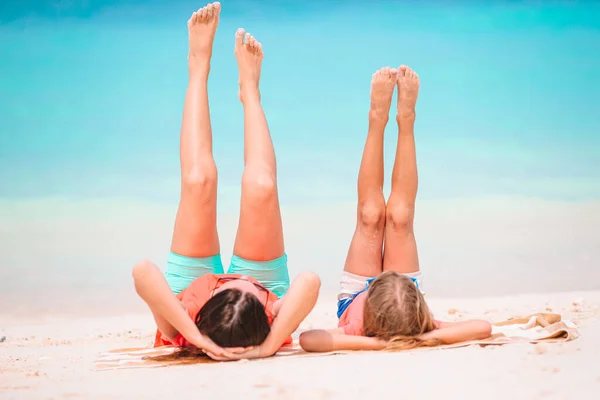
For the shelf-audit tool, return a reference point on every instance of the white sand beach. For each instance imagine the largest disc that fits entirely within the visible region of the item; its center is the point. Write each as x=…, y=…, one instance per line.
x=53, y=358
x=507, y=216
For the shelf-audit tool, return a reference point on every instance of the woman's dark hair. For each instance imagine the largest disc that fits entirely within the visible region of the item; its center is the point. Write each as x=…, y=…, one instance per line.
x=230, y=318
x=233, y=318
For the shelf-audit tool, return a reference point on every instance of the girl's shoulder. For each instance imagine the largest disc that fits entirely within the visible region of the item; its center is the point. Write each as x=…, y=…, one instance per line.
x=352, y=319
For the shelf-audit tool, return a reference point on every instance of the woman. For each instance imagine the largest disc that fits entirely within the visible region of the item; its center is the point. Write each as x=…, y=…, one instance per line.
x=241, y=314
x=389, y=311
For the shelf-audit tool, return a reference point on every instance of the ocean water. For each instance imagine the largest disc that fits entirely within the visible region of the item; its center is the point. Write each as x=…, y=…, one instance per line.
x=508, y=138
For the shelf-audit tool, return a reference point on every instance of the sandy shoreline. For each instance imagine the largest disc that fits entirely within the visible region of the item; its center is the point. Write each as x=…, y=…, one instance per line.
x=53, y=358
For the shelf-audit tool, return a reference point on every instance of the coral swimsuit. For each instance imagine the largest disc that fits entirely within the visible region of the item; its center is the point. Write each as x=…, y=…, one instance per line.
x=197, y=294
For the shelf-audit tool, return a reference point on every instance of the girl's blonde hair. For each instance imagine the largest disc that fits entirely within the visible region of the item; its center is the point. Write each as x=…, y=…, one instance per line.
x=395, y=311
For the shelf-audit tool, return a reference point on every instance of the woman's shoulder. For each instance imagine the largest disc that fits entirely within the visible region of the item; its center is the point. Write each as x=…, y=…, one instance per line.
x=204, y=285
x=200, y=286
x=197, y=293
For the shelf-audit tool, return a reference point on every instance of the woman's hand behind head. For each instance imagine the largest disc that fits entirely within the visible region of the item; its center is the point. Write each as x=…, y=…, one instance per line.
x=240, y=354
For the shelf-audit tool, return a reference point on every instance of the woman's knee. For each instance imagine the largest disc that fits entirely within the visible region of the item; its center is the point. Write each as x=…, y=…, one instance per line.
x=199, y=178
x=259, y=185
x=400, y=217
x=371, y=214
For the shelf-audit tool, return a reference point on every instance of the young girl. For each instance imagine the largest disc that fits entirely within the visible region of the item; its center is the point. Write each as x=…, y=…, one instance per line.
x=387, y=312
x=197, y=307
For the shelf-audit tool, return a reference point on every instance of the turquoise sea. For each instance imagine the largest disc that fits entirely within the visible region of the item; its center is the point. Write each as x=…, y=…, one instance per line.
x=508, y=137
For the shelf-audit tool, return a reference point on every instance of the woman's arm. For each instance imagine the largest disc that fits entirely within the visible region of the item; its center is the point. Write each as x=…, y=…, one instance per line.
x=456, y=332
x=170, y=316
x=333, y=340
x=298, y=303
x=277, y=306
x=150, y=286
x=291, y=311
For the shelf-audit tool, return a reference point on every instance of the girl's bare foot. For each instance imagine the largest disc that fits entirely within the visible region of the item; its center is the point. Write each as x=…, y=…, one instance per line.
x=202, y=26
x=249, y=54
x=382, y=89
x=408, y=91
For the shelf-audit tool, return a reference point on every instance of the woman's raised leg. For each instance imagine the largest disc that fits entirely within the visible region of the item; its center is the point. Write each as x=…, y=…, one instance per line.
x=195, y=231
x=260, y=232
x=365, y=252
x=400, y=249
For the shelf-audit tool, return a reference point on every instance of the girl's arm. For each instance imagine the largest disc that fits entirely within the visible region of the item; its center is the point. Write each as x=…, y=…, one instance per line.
x=456, y=332
x=333, y=340
x=446, y=332
x=170, y=316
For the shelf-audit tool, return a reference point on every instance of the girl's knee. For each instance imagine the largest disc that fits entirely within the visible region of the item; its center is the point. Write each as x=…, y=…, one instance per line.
x=400, y=217
x=371, y=214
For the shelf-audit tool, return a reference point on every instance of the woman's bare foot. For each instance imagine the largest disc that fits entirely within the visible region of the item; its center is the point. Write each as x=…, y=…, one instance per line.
x=202, y=26
x=408, y=91
x=249, y=54
x=382, y=89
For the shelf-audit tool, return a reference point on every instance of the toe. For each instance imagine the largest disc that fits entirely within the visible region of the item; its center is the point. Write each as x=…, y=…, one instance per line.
x=201, y=14
x=387, y=72
x=247, y=38
x=209, y=11
x=216, y=8
x=239, y=37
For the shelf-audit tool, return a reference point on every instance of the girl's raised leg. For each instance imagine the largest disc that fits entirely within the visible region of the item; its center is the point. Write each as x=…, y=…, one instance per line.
x=400, y=250
x=260, y=232
x=365, y=252
x=195, y=231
